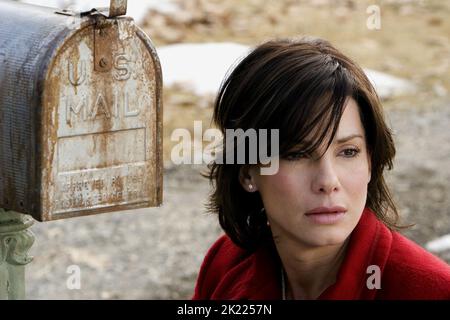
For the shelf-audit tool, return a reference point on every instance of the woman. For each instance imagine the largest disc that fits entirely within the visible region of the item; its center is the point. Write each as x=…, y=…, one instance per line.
x=324, y=225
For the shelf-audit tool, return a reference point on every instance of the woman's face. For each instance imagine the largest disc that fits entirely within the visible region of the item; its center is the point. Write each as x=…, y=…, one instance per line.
x=296, y=197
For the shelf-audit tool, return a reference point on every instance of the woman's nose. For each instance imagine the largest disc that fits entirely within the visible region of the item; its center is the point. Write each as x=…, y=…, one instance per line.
x=324, y=179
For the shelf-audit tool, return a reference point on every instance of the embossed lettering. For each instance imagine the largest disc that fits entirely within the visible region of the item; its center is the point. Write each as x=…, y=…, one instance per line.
x=76, y=108
x=122, y=67
x=81, y=72
x=83, y=108
x=126, y=107
x=100, y=107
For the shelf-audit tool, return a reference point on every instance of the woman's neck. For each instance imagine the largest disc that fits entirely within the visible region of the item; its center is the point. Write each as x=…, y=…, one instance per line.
x=309, y=270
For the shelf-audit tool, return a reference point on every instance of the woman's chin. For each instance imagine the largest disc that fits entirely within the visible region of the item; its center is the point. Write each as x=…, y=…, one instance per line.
x=326, y=238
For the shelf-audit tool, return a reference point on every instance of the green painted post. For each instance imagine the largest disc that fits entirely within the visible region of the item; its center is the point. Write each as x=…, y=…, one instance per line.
x=15, y=241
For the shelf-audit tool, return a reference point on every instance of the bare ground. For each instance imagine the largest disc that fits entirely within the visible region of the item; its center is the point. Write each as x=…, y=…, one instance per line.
x=156, y=253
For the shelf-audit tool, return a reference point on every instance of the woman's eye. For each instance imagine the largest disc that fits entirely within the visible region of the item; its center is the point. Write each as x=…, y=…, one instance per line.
x=350, y=152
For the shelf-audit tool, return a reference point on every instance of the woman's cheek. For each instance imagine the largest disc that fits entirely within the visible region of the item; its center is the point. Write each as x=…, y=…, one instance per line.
x=281, y=189
x=285, y=181
x=355, y=179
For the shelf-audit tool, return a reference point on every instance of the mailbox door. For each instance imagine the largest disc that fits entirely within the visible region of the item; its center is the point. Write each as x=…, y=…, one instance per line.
x=101, y=123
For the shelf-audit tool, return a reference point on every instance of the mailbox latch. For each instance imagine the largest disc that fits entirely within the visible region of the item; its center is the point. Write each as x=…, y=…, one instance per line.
x=104, y=35
x=103, y=31
x=117, y=8
x=103, y=39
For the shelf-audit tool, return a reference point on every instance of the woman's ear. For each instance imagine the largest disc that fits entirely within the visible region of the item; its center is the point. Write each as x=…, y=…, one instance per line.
x=369, y=161
x=246, y=178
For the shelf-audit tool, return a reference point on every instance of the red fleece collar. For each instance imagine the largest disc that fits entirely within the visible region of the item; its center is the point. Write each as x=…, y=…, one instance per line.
x=369, y=244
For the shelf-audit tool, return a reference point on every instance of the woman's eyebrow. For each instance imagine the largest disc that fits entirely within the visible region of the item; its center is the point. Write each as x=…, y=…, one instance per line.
x=350, y=137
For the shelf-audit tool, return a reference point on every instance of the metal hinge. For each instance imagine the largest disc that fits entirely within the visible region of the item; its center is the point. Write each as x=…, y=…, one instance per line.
x=116, y=8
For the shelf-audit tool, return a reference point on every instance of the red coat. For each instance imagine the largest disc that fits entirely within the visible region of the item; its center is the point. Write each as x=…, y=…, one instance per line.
x=407, y=270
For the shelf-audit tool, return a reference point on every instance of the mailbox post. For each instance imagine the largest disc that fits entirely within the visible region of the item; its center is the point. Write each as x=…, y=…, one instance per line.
x=15, y=241
x=80, y=122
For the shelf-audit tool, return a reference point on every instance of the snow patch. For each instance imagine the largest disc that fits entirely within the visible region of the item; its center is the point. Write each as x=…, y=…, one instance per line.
x=439, y=245
x=203, y=66
x=387, y=85
x=200, y=67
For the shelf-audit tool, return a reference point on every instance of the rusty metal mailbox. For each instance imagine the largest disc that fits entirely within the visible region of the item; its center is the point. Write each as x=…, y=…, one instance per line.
x=80, y=112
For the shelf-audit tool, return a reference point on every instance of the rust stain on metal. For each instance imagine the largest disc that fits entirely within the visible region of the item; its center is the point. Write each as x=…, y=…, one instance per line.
x=117, y=8
x=104, y=36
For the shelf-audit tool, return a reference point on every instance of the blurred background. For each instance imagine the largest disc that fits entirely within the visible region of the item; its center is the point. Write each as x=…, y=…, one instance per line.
x=156, y=253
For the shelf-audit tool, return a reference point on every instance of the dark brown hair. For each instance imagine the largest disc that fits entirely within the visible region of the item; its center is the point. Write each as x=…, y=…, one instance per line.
x=294, y=85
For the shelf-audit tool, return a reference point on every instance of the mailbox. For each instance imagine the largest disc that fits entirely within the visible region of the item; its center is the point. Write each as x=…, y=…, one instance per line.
x=80, y=112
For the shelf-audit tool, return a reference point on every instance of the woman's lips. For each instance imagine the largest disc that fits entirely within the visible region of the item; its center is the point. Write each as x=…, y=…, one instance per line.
x=326, y=215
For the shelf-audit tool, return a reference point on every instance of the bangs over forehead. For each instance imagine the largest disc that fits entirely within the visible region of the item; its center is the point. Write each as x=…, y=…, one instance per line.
x=288, y=86
x=314, y=105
